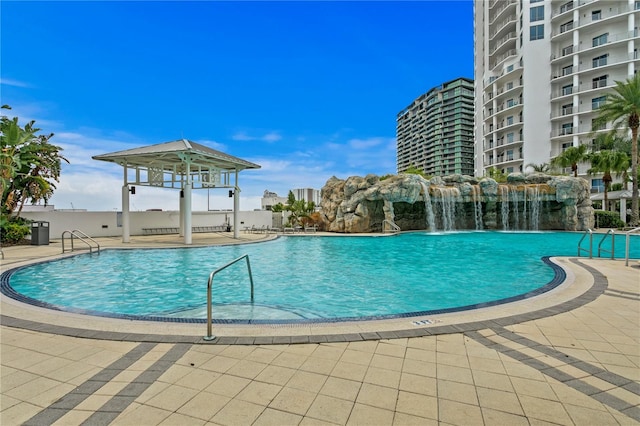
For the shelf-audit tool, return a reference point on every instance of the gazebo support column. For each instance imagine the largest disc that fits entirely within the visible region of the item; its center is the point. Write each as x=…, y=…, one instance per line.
x=181, y=216
x=236, y=208
x=126, y=230
x=187, y=213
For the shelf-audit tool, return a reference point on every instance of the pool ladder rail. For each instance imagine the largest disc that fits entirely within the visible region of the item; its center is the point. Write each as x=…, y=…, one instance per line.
x=611, y=232
x=210, y=335
x=394, y=228
x=76, y=233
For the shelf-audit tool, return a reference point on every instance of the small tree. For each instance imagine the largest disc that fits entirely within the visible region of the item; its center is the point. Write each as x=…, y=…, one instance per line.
x=571, y=157
x=606, y=162
x=30, y=165
x=622, y=109
x=539, y=168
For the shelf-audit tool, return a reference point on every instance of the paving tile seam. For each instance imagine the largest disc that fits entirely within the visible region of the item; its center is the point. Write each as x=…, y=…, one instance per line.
x=620, y=296
x=594, y=370
x=597, y=288
x=66, y=403
x=118, y=403
x=604, y=397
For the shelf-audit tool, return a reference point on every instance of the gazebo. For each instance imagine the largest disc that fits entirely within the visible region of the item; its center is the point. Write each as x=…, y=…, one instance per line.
x=183, y=165
x=622, y=196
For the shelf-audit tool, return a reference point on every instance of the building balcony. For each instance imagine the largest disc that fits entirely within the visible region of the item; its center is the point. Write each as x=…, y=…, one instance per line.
x=499, y=11
x=502, y=28
x=502, y=45
x=501, y=58
x=565, y=91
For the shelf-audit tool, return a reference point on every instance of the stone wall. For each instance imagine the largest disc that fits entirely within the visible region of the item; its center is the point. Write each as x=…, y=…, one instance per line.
x=526, y=202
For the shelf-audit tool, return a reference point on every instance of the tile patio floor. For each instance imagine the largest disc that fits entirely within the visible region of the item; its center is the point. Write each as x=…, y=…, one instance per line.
x=570, y=358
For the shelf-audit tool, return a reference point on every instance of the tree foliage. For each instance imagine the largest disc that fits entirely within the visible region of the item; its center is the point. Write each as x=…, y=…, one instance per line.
x=299, y=209
x=29, y=165
x=622, y=109
x=570, y=157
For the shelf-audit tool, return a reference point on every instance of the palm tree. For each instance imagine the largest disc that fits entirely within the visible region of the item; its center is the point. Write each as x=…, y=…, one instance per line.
x=539, y=168
x=606, y=162
x=30, y=165
x=622, y=109
x=570, y=157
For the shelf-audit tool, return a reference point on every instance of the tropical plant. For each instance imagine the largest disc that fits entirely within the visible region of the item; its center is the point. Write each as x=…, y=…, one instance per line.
x=413, y=170
x=606, y=162
x=570, y=157
x=299, y=209
x=622, y=109
x=606, y=219
x=539, y=168
x=29, y=165
x=497, y=175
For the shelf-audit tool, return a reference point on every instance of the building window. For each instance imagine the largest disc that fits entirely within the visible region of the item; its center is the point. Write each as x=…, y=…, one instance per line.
x=510, y=120
x=567, y=70
x=567, y=129
x=510, y=68
x=567, y=50
x=566, y=145
x=599, y=82
x=536, y=13
x=509, y=137
x=510, y=85
x=510, y=103
x=509, y=155
x=536, y=32
x=597, y=185
x=600, y=61
x=567, y=109
x=597, y=102
x=566, y=27
x=596, y=15
x=600, y=40
x=566, y=7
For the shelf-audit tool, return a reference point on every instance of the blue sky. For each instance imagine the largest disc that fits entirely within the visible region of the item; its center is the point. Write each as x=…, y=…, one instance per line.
x=307, y=90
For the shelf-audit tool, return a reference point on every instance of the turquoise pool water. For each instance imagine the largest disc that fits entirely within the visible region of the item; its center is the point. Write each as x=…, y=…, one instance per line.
x=305, y=278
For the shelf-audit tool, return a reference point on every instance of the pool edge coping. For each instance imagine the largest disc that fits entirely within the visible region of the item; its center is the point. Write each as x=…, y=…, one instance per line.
x=595, y=289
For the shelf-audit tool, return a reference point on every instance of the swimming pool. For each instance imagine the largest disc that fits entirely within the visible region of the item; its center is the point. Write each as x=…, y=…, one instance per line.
x=304, y=279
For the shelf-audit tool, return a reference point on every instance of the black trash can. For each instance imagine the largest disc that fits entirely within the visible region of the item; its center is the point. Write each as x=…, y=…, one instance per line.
x=40, y=233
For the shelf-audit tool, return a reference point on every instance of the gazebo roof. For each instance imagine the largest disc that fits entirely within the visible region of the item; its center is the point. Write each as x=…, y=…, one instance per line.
x=613, y=195
x=174, y=156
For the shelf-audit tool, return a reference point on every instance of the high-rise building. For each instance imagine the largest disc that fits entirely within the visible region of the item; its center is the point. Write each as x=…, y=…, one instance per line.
x=308, y=195
x=542, y=69
x=435, y=132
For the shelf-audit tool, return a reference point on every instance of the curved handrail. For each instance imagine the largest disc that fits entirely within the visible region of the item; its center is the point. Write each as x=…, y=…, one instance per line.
x=394, y=227
x=580, y=249
x=209, y=335
x=626, y=245
x=82, y=237
x=613, y=241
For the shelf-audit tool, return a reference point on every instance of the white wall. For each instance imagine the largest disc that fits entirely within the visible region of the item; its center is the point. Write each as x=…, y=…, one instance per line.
x=105, y=224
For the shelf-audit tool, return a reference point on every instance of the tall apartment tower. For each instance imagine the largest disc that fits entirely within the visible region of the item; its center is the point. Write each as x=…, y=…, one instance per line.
x=435, y=132
x=542, y=69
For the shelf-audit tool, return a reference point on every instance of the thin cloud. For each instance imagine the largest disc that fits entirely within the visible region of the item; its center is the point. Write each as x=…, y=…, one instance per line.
x=14, y=83
x=267, y=137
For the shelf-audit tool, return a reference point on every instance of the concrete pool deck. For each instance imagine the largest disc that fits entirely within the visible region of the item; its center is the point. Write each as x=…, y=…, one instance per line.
x=570, y=356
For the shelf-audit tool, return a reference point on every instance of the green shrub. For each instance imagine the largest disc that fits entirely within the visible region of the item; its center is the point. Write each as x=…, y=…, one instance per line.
x=608, y=220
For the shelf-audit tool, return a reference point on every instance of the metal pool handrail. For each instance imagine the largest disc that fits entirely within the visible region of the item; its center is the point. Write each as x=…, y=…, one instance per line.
x=626, y=248
x=210, y=335
x=613, y=241
x=580, y=249
x=394, y=227
x=82, y=237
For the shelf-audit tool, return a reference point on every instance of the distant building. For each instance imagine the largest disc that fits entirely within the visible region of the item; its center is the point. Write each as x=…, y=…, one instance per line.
x=307, y=194
x=270, y=199
x=542, y=70
x=435, y=132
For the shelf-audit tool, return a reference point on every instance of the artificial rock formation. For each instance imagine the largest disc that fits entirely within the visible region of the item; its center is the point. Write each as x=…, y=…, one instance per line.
x=528, y=202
